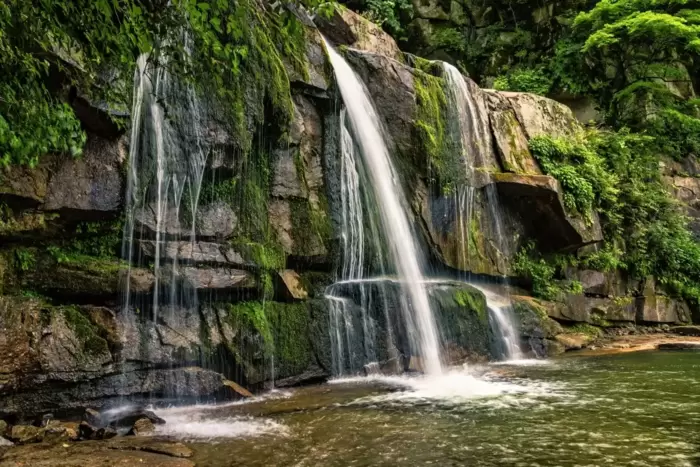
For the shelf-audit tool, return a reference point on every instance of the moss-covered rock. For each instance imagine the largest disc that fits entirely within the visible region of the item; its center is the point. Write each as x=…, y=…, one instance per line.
x=536, y=326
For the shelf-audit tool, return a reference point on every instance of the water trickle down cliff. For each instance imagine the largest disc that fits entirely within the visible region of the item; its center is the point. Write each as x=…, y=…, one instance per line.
x=475, y=147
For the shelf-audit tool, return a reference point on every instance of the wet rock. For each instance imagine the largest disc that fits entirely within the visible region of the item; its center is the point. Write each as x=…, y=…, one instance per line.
x=200, y=278
x=26, y=434
x=3, y=427
x=237, y=388
x=105, y=433
x=509, y=136
x=129, y=416
x=679, y=346
x=346, y=27
x=91, y=183
x=198, y=252
x=682, y=330
x=142, y=427
x=5, y=443
x=86, y=431
x=92, y=417
x=216, y=220
x=57, y=433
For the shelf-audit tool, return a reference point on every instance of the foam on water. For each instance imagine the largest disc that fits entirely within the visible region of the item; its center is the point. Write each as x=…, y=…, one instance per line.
x=195, y=423
x=454, y=387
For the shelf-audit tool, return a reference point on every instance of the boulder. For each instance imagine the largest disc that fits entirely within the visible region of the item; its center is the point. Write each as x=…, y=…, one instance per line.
x=106, y=433
x=541, y=116
x=509, y=136
x=593, y=310
x=536, y=326
x=142, y=427
x=661, y=309
x=92, y=183
x=575, y=341
x=348, y=28
x=131, y=415
x=92, y=417
x=26, y=434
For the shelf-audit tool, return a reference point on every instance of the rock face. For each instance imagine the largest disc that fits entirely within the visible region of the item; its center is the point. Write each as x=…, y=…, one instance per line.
x=248, y=290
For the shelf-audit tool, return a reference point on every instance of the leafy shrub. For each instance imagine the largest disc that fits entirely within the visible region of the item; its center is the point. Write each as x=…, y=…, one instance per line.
x=534, y=80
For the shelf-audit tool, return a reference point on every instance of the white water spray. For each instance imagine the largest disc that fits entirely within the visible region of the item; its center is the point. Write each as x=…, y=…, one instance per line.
x=388, y=191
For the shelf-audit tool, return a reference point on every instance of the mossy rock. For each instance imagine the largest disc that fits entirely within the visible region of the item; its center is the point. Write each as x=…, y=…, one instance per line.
x=462, y=317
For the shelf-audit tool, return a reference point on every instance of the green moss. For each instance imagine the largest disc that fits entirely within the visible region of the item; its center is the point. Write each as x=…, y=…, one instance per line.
x=430, y=125
x=583, y=328
x=474, y=300
x=25, y=259
x=86, y=332
x=250, y=314
x=290, y=331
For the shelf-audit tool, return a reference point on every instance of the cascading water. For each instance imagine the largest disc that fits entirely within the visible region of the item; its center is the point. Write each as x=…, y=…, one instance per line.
x=166, y=165
x=476, y=148
x=418, y=316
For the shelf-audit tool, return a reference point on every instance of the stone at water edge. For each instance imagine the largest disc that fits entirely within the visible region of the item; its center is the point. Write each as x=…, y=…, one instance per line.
x=86, y=431
x=128, y=418
x=686, y=330
x=93, y=417
x=3, y=427
x=25, y=434
x=679, y=346
x=240, y=390
x=105, y=433
x=574, y=341
x=142, y=427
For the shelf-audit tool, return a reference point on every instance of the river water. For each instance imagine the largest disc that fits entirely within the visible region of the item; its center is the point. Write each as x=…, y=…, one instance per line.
x=636, y=409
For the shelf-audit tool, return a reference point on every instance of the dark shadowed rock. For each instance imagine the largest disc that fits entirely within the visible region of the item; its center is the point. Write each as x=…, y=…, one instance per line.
x=679, y=346
x=682, y=330
x=537, y=199
x=92, y=417
x=86, y=431
x=129, y=416
x=106, y=433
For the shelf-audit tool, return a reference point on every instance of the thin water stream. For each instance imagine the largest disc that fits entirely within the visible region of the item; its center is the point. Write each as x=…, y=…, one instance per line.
x=627, y=410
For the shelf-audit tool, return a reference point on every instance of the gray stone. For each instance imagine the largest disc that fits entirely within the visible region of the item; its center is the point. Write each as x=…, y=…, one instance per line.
x=541, y=116
x=661, y=309
x=92, y=182
x=200, y=278
x=197, y=252
x=142, y=427
x=346, y=27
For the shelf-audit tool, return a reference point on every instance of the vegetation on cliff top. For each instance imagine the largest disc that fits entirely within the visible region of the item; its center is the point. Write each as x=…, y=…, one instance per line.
x=50, y=49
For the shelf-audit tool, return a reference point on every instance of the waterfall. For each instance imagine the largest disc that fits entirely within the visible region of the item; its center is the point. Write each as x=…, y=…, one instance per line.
x=365, y=124
x=475, y=140
x=166, y=166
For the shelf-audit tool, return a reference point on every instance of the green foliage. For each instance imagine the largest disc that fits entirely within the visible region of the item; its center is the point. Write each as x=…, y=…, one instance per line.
x=583, y=328
x=388, y=13
x=534, y=80
x=473, y=301
x=538, y=271
x=24, y=259
x=587, y=184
